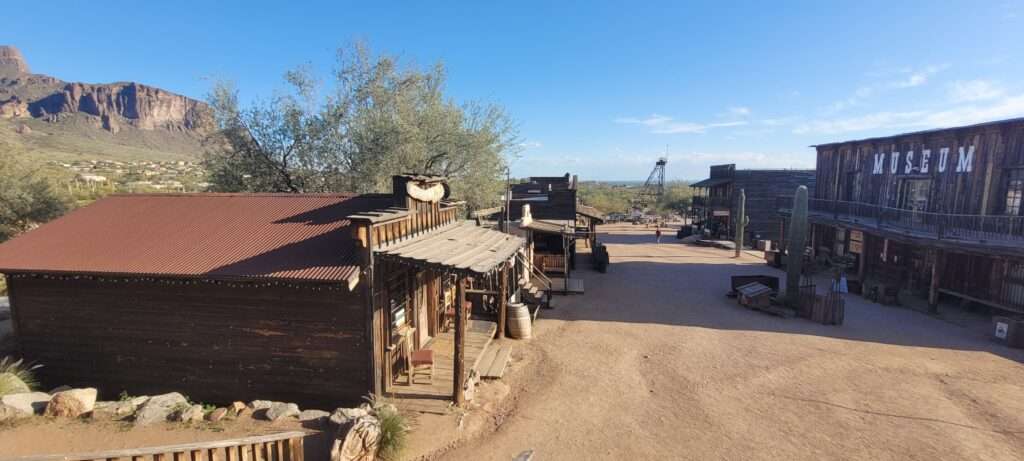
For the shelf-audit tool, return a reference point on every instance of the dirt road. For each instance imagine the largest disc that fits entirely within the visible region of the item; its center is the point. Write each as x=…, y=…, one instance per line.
x=655, y=363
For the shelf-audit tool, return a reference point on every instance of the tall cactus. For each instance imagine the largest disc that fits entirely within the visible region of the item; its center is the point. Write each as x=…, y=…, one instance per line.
x=797, y=242
x=741, y=222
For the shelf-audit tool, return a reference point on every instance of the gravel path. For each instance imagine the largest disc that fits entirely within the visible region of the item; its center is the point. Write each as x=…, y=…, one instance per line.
x=654, y=362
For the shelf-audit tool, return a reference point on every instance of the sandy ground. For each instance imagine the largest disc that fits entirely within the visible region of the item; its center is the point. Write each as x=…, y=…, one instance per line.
x=654, y=362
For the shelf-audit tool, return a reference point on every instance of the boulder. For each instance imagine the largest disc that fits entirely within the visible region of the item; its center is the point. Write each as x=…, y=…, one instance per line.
x=260, y=404
x=8, y=412
x=358, y=442
x=72, y=403
x=27, y=402
x=158, y=408
x=345, y=416
x=281, y=410
x=237, y=407
x=217, y=414
x=12, y=384
x=190, y=414
x=113, y=410
x=138, y=401
x=315, y=416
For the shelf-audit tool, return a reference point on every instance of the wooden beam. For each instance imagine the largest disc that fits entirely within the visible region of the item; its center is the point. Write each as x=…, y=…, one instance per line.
x=459, y=372
x=933, y=289
x=502, y=300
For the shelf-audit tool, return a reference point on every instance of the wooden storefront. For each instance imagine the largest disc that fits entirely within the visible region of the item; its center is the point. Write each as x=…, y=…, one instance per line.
x=941, y=210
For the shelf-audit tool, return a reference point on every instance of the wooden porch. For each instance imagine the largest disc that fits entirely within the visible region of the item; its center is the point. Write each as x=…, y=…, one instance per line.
x=436, y=396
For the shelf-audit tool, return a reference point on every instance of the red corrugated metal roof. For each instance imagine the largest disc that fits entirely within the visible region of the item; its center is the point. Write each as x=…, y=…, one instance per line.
x=282, y=236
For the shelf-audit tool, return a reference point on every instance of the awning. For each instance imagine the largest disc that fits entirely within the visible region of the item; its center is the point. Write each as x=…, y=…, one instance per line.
x=590, y=212
x=462, y=247
x=550, y=226
x=711, y=182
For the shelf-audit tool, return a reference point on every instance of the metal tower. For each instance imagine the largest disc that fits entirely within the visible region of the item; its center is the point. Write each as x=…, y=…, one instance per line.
x=653, y=188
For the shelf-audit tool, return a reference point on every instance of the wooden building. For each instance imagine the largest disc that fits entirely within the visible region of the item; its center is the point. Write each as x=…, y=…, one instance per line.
x=715, y=200
x=314, y=298
x=931, y=214
x=548, y=213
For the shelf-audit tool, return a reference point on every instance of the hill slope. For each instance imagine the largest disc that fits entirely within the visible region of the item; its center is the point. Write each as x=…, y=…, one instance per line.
x=50, y=119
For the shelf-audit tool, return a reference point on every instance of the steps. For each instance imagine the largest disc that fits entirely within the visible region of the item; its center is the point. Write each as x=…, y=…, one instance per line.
x=495, y=360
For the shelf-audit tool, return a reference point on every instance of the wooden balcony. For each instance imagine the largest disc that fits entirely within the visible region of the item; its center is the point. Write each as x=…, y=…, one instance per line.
x=990, y=230
x=712, y=202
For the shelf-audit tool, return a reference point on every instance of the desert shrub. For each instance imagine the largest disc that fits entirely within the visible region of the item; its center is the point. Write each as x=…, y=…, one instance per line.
x=16, y=376
x=394, y=429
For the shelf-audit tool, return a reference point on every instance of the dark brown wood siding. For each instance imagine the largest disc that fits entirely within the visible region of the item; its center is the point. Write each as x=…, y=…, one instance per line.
x=845, y=171
x=762, y=188
x=214, y=343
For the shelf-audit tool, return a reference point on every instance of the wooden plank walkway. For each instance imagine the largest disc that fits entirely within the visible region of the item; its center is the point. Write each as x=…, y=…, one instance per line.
x=495, y=360
x=435, y=396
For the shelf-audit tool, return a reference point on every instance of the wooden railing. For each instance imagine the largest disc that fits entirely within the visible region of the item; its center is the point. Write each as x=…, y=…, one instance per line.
x=285, y=446
x=942, y=226
x=537, y=276
x=413, y=225
x=549, y=262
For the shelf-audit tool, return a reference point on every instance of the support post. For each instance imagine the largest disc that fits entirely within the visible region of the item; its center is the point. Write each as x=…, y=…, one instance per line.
x=933, y=289
x=741, y=222
x=503, y=300
x=459, y=372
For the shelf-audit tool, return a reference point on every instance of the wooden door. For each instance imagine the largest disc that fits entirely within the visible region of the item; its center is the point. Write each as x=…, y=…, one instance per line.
x=422, y=309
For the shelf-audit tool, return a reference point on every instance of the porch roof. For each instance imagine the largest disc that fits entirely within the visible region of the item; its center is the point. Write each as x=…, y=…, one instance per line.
x=712, y=182
x=461, y=247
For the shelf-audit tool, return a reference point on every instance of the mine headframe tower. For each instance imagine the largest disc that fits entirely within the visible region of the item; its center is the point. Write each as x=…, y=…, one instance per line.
x=653, y=189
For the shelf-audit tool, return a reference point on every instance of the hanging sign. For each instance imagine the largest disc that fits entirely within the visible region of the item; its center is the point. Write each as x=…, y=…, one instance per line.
x=857, y=236
x=856, y=246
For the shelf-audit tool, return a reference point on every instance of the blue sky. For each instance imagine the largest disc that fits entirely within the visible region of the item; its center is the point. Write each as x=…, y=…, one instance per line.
x=598, y=88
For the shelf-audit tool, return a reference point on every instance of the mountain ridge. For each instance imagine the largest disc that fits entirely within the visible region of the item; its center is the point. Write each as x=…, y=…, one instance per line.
x=134, y=119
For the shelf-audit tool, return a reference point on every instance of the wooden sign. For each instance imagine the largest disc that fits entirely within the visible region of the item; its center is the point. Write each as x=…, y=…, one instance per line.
x=856, y=236
x=720, y=213
x=856, y=246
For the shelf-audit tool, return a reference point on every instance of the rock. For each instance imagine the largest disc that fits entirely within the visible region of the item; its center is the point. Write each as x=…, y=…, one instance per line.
x=260, y=404
x=72, y=403
x=27, y=402
x=138, y=401
x=23, y=129
x=281, y=410
x=158, y=408
x=358, y=442
x=113, y=410
x=237, y=407
x=344, y=416
x=317, y=416
x=60, y=389
x=8, y=412
x=12, y=62
x=217, y=414
x=11, y=384
x=13, y=108
x=190, y=414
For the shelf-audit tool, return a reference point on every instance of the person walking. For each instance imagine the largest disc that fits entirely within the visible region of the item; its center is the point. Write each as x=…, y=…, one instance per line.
x=657, y=234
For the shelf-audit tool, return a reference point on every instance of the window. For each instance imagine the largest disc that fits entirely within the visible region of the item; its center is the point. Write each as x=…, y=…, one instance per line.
x=1014, y=191
x=398, y=298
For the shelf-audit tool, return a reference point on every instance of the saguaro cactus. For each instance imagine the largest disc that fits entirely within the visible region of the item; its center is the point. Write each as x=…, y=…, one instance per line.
x=795, y=250
x=741, y=222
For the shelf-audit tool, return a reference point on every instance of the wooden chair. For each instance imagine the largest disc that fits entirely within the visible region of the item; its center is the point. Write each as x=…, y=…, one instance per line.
x=422, y=364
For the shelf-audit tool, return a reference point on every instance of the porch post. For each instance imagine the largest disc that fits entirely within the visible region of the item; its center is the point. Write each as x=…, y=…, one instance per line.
x=459, y=372
x=502, y=299
x=933, y=289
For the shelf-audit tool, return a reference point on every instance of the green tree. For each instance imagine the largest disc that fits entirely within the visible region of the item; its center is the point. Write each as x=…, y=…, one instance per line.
x=27, y=197
x=378, y=119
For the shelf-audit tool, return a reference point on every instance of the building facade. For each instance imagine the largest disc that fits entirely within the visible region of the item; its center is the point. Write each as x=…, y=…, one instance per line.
x=931, y=214
x=716, y=199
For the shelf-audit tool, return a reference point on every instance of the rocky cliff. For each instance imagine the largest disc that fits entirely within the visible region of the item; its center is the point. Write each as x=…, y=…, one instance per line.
x=110, y=106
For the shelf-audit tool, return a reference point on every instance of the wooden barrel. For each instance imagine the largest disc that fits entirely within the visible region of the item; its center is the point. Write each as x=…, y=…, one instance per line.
x=519, y=322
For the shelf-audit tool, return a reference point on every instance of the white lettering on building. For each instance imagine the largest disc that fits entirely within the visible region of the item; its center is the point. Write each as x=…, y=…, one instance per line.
x=925, y=155
x=943, y=159
x=965, y=161
x=894, y=162
x=879, y=163
x=908, y=164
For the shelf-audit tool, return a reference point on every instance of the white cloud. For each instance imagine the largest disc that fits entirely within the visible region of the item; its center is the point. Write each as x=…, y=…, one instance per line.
x=531, y=145
x=963, y=115
x=661, y=124
x=974, y=90
x=919, y=77
x=739, y=111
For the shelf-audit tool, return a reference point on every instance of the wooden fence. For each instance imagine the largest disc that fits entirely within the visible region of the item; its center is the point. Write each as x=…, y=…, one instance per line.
x=285, y=446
